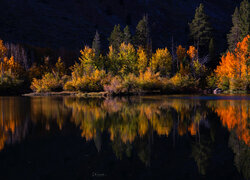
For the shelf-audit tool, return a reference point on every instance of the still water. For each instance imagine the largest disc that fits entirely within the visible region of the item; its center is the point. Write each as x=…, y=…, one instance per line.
x=158, y=137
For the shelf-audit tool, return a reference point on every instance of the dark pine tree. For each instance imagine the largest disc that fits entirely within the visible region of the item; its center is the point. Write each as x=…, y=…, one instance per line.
x=116, y=37
x=127, y=35
x=244, y=18
x=212, y=54
x=142, y=36
x=142, y=33
x=200, y=30
x=96, y=44
x=235, y=33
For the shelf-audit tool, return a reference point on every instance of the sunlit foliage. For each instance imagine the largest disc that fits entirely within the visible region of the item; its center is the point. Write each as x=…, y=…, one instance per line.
x=142, y=59
x=162, y=62
x=234, y=67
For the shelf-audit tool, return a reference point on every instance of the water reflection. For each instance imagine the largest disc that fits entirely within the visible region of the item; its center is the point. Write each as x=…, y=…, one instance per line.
x=13, y=120
x=235, y=116
x=131, y=123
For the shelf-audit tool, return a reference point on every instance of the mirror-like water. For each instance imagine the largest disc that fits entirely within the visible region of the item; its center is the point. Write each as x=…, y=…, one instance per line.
x=159, y=137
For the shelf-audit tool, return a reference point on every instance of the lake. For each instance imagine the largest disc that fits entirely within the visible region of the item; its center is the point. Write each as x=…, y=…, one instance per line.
x=150, y=137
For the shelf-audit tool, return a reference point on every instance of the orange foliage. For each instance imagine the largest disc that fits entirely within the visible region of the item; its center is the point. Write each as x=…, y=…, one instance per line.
x=235, y=115
x=192, y=52
x=234, y=64
x=3, y=49
x=181, y=53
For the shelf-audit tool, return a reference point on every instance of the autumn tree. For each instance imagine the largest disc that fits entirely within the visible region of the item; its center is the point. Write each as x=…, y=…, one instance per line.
x=113, y=63
x=192, y=53
x=87, y=61
x=142, y=59
x=181, y=56
x=127, y=58
x=234, y=66
x=162, y=61
x=60, y=67
x=3, y=50
x=9, y=65
x=198, y=69
x=200, y=29
x=116, y=37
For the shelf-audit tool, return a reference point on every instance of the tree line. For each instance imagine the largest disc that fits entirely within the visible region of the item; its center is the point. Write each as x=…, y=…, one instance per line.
x=131, y=66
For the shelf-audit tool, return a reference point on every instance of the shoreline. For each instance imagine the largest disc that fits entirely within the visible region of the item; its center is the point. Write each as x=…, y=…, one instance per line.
x=107, y=94
x=68, y=93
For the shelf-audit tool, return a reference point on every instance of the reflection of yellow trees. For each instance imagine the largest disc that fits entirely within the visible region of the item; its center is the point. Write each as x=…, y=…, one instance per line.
x=189, y=113
x=46, y=110
x=88, y=115
x=122, y=118
x=128, y=121
x=235, y=116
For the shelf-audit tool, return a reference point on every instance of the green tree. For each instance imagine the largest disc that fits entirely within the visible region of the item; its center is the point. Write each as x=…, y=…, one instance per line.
x=142, y=34
x=235, y=33
x=200, y=30
x=116, y=37
x=244, y=18
x=99, y=61
x=127, y=35
x=96, y=44
x=212, y=56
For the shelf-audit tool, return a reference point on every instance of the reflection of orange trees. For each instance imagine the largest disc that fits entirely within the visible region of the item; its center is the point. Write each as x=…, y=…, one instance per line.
x=11, y=114
x=235, y=116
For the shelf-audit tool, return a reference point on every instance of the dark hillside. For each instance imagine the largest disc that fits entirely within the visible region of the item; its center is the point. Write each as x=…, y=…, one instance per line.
x=72, y=23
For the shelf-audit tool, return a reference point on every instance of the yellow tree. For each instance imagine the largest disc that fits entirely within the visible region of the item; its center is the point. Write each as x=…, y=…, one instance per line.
x=127, y=59
x=87, y=60
x=60, y=67
x=113, y=63
x=162, y=62
x=142, y=59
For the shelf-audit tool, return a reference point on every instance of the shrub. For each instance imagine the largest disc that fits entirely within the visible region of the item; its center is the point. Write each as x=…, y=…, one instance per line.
x=211, y=81
x=130, y=83
x=49, y=82
x=224, y=83
x=183, y=83
x=150, y=80
x=89, y=83
x=115, y=86
x=237, y=84
x=9, y=83
x=119, y=85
